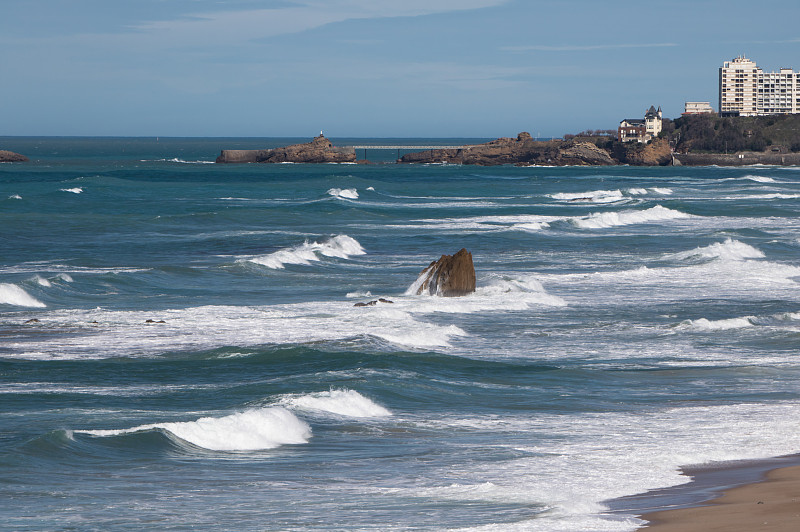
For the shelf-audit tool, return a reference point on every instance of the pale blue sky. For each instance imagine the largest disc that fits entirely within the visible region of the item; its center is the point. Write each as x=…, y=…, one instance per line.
x=411, y=68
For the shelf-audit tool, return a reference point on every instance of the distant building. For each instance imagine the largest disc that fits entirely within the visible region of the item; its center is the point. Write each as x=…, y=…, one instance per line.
x=641, y=129
x=697, y=108
x=746, y=90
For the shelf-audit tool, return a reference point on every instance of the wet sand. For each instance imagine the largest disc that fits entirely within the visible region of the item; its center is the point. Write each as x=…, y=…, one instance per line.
x=772, y=504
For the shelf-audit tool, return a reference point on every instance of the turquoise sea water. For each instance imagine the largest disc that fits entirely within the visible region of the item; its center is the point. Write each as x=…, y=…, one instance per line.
x=627, y=321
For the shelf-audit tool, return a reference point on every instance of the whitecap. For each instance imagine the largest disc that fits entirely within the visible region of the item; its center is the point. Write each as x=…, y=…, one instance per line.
x=15, y=196
x=251, y=430
x=347, y=193
x=11, y=294
x=341, y=246
x=76, y=190
x=759, y=178
x=42, y=281
x=728, y=250
x=704, y=324
x=615, y=219
x=348, y=403
x=594, y=196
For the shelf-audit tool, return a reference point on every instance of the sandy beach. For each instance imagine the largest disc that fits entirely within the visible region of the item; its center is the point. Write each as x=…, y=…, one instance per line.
x=772, y=504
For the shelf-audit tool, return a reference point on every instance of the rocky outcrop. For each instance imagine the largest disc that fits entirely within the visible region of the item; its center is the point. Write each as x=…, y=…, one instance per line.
x=656, y=153
x=523, y=150
x=319, y=150
x=11, y=157
x=584, y=153
x=450, y=276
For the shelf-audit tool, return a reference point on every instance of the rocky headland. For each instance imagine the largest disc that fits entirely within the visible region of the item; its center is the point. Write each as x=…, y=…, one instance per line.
x=11, y=157
x=319, y=150
x=525, y=151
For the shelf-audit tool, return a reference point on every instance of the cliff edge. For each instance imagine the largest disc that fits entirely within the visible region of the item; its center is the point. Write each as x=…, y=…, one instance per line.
x=319, y=150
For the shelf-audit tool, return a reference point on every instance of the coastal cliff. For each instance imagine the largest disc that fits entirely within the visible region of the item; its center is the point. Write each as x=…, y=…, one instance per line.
x=319, y=150
x=522, y=151
x=11, y=157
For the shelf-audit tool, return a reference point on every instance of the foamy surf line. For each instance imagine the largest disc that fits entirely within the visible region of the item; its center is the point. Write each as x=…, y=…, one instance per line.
x=98, y=333
x=341, y=246
x=252, y=430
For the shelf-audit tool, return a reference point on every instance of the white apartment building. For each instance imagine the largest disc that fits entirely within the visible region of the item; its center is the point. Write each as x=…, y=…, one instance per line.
x=697, y=108
x=746, y=90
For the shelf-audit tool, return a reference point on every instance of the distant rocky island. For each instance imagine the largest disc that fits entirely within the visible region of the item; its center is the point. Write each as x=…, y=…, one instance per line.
x=698, y=140
x=319, y=150
x=11, y=157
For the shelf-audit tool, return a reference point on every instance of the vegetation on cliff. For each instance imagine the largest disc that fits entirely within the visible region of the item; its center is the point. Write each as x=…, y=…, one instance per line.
x=715, y=134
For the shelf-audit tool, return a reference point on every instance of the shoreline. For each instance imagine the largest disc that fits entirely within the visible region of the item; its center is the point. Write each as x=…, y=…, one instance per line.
x=739, y=495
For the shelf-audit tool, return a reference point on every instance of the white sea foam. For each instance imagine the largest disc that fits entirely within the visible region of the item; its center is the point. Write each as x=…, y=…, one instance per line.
x=76, y=190
x=348, y=403
x=728, y=250
x=637, y=191
x=177, y=160
x=15, y=196
x=67, y=278
x=605, y=220
x=594, y=196
x=11, y=294
x=100, y=333
x=347, y=193
x=703, y=324
x=251, y=430
x=41, y=281
x=341, y=246
x=576, y=462
x=371, y=189
x=662, y=191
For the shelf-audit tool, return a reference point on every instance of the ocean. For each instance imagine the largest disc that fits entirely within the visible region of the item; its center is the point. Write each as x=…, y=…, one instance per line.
x=180, y=346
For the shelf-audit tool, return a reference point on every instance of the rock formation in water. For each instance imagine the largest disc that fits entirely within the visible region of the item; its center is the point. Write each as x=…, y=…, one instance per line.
x=11, y=157
x=319, y=150
x=523, y=150
x=450, y=276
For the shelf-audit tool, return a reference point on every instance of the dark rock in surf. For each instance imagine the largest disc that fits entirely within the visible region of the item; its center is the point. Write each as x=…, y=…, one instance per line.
x=372, y=303
x=450, y=276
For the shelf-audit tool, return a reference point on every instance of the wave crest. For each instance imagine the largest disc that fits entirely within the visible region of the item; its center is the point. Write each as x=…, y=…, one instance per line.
x=11, y=294
x=347, y=403
x=341, y=246
x=728, y=250
x=346, y=193
x=251, y=430
x=605, y=220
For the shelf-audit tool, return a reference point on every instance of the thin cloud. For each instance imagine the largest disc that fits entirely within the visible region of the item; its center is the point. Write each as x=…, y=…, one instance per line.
x=236, y=26
x=583, y=48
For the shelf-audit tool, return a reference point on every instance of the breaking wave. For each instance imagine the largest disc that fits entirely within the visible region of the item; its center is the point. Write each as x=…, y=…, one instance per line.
x=615, y=219
x=347, y=193
x=11, y=294
x=341, y=246
x=251, y=430
x=728, y=250
x=703, y=324
x=594, y=196
x=76, y=190
x=348, y=403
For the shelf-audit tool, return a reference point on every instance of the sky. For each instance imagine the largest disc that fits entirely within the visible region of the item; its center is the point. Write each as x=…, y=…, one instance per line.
x=371, y=68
